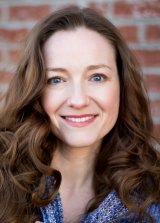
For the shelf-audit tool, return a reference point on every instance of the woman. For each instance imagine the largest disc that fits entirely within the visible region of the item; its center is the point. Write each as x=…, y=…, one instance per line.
x=76, y=132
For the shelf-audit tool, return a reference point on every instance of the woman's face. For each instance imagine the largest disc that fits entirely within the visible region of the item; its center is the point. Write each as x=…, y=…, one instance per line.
x=82, y=95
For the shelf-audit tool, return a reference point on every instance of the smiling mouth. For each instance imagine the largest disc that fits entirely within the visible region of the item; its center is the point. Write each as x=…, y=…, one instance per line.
x=83, y=119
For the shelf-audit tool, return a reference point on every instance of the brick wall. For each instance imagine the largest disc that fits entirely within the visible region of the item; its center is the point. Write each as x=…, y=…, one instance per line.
x=138, y=21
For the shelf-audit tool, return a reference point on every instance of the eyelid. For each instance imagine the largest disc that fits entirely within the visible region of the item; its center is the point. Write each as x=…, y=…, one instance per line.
x=99, y=74
x=54, y=77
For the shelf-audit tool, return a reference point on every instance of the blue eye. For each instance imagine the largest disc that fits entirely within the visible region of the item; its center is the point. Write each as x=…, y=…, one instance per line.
x=98, y=77
x=55, y=80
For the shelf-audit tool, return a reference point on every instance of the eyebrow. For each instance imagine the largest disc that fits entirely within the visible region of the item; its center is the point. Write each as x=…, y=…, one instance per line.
x=90, y=67
x=94, y=67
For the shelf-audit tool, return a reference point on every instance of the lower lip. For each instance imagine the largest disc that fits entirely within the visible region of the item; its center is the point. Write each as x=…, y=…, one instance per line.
x=80, y=124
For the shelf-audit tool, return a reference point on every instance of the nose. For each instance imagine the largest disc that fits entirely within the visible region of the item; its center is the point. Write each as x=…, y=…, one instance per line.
x=78, y=97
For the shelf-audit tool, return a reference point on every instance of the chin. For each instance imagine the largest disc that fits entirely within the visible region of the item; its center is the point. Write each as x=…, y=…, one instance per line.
x=78, y=145
x=81, y=143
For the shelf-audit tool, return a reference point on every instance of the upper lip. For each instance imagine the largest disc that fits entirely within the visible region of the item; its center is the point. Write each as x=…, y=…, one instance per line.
x=79, y=116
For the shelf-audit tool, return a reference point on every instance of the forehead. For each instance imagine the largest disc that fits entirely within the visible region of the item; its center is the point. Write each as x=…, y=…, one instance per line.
x=78, y=44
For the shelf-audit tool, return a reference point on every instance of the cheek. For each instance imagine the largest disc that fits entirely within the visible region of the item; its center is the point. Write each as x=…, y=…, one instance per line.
x=109, y=98
x=50, y=101
x=46, y=102
x=113, y=100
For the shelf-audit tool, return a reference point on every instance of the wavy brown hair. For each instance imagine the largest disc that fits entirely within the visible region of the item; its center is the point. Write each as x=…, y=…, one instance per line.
x=127, y=161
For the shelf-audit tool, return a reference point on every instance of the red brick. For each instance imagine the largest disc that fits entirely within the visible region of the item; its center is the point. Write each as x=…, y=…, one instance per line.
x=5, y=76
x=153, y=32
x=141, y=8
x=148, y=8
x=148, y=57
x=129, y=33
x=14, y=55
x=123, y=8
x=28, y=12
x=155, y=107
x=157, y=130
x=13, y=35
x=152, y=82
x=100, y=7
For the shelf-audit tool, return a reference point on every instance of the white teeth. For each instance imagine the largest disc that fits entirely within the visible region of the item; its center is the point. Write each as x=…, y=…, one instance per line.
x=84, y=119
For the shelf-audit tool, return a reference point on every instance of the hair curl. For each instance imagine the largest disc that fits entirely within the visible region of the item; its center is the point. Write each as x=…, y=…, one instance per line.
x=127, y=160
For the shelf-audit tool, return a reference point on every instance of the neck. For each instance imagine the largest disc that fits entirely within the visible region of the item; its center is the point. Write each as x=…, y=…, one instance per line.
x=75, y=164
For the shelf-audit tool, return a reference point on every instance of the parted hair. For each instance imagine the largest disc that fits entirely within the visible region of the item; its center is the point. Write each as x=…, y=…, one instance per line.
x=127, y=160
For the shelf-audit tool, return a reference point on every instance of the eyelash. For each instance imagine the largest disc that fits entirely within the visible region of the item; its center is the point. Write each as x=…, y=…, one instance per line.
x=60, y=79
x=50, y=80
x=104, y=77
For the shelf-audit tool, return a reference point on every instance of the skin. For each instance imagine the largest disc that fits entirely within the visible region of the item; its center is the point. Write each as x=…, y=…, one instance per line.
x=82, y=81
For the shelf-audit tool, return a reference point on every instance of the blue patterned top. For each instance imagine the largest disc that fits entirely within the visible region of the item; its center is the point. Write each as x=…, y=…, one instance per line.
x=111, y=210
